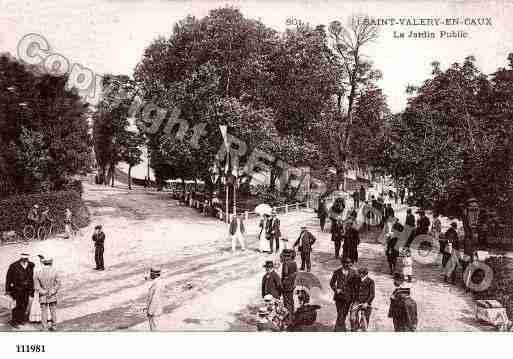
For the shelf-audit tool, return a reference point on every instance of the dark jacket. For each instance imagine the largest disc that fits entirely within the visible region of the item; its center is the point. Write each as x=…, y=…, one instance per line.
x=351, y=242
x=349, y=284
x=403, y=311
x=20, y=280
x=362, y=194
x=99, y=239
x=410, y=220
x=271, y=284
x=423, y=225
x=273, y=228
x=451, y=235
x=389, y=212
x=305, y=241
x=233, y=226
x=288, y=275
x=366, y=291
x=322, y=211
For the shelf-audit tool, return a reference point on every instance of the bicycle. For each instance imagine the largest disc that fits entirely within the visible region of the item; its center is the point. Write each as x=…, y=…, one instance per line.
x=75, y=230
x=30, y=231
x=358, y=319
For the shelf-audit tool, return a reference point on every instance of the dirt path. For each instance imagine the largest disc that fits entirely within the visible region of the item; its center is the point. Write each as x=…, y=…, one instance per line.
x=207, y=287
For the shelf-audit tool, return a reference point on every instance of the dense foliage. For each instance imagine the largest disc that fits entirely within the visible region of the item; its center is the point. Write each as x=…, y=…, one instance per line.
x=453, y=141
x=15, y=209
x=44, y=138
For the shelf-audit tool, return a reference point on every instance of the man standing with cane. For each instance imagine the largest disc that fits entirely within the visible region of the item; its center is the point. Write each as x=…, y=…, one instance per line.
x=47, y=285
x=99, y=242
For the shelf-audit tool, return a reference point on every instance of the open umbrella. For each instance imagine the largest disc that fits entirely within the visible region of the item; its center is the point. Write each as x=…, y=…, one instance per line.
x=308, y=280
x=263, y=208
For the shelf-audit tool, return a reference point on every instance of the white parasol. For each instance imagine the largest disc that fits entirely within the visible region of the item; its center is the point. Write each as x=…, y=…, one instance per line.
x=263, y=208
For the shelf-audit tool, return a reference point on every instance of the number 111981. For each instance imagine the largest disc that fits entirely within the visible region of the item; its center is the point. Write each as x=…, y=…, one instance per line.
x=34, y=348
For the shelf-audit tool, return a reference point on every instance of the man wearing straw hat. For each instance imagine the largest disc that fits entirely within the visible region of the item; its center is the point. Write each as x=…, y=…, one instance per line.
x=154, y=304
x=19, y=284
x=273, y=231
x=47, y=285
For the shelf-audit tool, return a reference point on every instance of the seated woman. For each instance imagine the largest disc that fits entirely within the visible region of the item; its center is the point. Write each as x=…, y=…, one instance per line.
x=305, y=315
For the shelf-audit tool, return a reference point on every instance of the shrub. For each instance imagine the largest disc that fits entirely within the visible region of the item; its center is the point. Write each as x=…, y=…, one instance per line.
x=271, y=197
x=501, y=287
x=14, y=209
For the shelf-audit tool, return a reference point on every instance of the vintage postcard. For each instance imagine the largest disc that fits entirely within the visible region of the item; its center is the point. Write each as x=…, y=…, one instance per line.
x=249, y=166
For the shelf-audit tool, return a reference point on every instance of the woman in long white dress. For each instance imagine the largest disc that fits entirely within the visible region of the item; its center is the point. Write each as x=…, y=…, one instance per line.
x=264, y=245
x=35, y=308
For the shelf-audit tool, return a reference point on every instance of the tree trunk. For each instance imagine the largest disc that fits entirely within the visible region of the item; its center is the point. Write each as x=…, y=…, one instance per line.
x=129, y=177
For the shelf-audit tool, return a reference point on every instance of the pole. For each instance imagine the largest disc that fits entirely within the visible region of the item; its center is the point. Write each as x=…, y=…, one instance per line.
x=227, y=187
x=235, y=197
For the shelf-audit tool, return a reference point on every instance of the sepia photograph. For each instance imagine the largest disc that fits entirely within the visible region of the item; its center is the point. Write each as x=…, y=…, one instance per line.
x=255, y=166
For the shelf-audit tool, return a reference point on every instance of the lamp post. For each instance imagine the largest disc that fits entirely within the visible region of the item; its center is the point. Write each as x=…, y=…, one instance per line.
x=472, y=214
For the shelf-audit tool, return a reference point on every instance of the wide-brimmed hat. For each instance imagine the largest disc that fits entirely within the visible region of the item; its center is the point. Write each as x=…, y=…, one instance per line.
x=155, y=272
x=268, y=298
x=262, y=311
x=47, y=261
x=269, y=264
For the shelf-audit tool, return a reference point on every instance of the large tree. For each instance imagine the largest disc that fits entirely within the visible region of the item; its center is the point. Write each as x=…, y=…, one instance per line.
x=348, y=44
x=453, y=141
x=44, y=136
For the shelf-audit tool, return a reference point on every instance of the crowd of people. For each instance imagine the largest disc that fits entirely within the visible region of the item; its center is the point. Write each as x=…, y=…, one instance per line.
x=35, y=287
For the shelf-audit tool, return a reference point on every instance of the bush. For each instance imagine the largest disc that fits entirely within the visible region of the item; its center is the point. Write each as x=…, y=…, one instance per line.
x=271, y=197
x=14, y=209
x=501, y=287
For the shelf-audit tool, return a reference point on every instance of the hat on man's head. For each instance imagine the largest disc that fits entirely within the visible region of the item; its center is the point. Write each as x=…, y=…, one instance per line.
x=47, y=261
x=269, y=264
x=268, y=298
x=403, y=291
x=363, y=271
x=99, y=226
x=262, y=311
x=155, y=272
x=24, y=255
x=346, y=260
x=398, y=276
x=304, y=227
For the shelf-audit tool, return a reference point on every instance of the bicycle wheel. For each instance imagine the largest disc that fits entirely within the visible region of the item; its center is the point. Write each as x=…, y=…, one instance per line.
x=42, y=232
x=29, y=232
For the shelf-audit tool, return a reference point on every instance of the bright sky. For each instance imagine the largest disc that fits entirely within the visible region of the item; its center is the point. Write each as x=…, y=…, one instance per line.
x=110, y=36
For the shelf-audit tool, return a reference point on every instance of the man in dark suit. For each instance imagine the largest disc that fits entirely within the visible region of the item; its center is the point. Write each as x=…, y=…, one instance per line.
x=99, y=243
x=345, y=284
x=410, y=221
x=305, y=242
x=19, y=284
x=271, y=282
x=351, y=241
x=288, y=277
x=273, y=231
x=423, y=223
x=366, y=292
